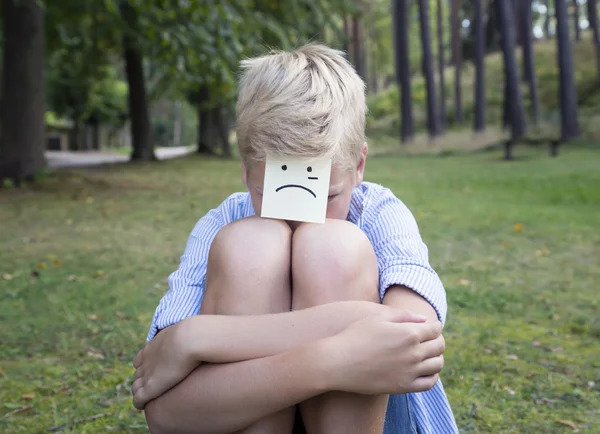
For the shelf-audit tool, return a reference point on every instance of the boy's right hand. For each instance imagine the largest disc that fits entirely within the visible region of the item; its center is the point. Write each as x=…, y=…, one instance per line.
x=163, y=363
x=385, y=354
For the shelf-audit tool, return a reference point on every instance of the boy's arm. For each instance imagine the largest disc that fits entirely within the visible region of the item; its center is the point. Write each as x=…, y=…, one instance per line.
x=406, y=279
x=401, y=297
x=219, y=339
x=386, y=354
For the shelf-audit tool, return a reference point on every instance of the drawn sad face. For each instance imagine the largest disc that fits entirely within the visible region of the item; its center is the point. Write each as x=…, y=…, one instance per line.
x=296, y=189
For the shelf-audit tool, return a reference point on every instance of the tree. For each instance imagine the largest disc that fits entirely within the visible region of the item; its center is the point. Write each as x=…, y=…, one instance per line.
x=592, y=12
x=514, y=113
x=441, y=63
x=568, y=91
x=400, y=14
x=22, y=103
x=526, y=18
x=457, y=57
x=358, y=36
x=479, y=36
x=141, y=128
x=433, y=123
x=576, y=14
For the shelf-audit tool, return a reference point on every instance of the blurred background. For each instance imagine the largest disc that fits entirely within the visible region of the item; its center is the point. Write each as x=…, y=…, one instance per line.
x=117, y=135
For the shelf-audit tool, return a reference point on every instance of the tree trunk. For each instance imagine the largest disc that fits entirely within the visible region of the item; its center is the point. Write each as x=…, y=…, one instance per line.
x=479, y=24
x=141, y=129
x=526, y=18
x=547, y=19
x=22, y=101
x=441, y=63
x=513, y=104
x=206, y=127
x=349, y=45
x=400, y=15
x=75, y=135
x=576, y=15
x=592, y=8
x=372, y=49
x=568, y=91
x=177, y=127
x=359, y=37
x=95, y=136
x=221, y=124
x=457, y=57
x=433, y=123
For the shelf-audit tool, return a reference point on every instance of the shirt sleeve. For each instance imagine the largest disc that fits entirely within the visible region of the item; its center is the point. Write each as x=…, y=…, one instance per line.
x=187, y=283
x=402, y=256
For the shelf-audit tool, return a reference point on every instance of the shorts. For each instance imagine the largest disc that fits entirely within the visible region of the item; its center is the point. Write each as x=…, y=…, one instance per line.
x=399, y=418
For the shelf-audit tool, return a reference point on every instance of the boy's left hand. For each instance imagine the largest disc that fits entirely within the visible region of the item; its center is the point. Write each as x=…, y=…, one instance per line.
x=162, y=364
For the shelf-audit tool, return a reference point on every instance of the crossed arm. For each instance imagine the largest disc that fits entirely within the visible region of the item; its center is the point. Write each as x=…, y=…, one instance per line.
x=254, y=366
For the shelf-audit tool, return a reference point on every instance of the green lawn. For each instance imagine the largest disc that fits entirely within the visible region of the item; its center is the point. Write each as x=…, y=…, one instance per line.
x=84, y=259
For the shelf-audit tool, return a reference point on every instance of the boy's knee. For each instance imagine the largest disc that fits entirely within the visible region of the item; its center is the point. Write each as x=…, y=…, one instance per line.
x=249, y=241
x=249, y=269
x=332, y=262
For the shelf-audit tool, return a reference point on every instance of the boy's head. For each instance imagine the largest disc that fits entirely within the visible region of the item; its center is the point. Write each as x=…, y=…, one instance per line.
x=306, y=103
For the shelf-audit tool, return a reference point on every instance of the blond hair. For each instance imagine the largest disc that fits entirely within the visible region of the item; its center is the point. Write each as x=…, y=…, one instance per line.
x=309, y=103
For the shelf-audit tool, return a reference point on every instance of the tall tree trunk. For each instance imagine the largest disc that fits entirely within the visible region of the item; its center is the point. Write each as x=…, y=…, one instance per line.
x=221, y=124
x=576, y=15
x=526, y=18
x=568, y=91
x=433, y=122
x=402, y=57
x=479, y=24
x=359, y=37
x=514, y=111
x=141, y=129
x=348, y=43
x=592, y=8
x=441, y=63
x=206, y=130
x=177, y=127
x=547, y=19
x=22, y=99
x=457, y=57
x=95, y=136
x=372, y=50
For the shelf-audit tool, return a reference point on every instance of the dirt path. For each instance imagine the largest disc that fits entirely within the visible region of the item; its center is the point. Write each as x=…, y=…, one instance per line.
x=59, y=159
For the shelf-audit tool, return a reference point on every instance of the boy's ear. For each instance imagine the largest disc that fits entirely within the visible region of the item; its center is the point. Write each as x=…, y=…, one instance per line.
x=360, y=169
x=244, y=175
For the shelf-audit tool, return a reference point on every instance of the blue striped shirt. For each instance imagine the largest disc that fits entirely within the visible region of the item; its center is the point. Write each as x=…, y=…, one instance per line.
x=401, y=255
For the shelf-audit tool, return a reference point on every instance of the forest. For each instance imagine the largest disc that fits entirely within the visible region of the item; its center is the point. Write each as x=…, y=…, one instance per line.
x=100, y=74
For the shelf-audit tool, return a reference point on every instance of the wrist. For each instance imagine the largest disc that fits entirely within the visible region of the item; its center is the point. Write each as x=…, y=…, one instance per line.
x=324, y=356
x=190, y=336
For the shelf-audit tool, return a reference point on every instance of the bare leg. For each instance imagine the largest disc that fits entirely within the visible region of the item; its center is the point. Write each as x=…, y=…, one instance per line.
x=251, y=258
x=336, y=262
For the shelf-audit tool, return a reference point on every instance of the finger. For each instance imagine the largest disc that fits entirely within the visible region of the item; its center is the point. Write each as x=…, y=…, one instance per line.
x=423, y=384
x=430, y=366
x=137, y=385
x=139, y=372
x=401, y=315
x=429, y=331
x=139, y=399
x=137, y=361
x=433, y=348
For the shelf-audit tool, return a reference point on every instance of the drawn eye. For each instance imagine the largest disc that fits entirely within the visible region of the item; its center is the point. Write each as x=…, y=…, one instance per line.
x=309, y=169
x=284, y=167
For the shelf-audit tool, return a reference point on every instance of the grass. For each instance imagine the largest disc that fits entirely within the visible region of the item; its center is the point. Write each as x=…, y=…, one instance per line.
x=85, y=256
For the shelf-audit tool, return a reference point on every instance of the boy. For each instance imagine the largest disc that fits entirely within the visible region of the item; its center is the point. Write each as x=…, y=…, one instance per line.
x=269, y=323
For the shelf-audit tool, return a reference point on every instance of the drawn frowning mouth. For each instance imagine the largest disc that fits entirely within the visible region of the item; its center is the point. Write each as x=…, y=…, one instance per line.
x=297, y=186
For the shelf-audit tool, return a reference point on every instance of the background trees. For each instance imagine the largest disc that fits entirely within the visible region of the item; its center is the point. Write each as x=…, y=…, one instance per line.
x=157, y=72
